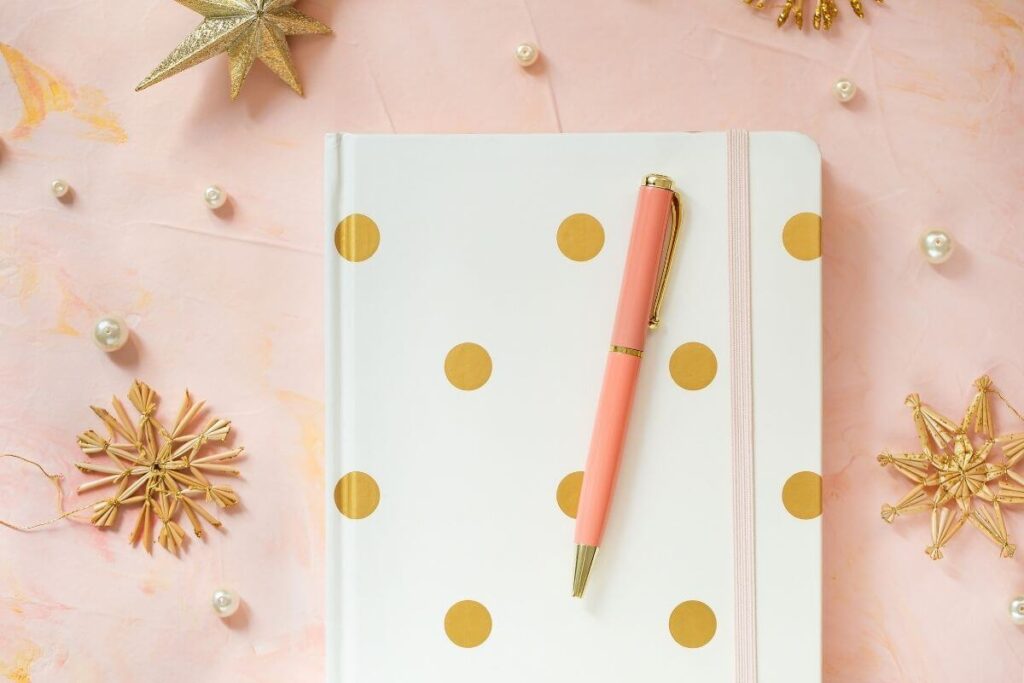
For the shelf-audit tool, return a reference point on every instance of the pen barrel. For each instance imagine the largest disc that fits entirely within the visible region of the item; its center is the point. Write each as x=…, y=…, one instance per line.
x=632, y=319
x=613, y=410
x=646, y=249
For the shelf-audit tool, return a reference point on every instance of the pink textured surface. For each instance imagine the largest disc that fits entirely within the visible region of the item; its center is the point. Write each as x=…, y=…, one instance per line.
x=230, y=304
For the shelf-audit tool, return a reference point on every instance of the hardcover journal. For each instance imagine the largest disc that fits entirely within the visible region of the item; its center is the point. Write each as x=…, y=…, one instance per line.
x=471, y=286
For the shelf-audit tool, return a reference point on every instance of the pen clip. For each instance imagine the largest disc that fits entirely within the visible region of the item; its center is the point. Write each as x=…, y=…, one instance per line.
x=675, y=221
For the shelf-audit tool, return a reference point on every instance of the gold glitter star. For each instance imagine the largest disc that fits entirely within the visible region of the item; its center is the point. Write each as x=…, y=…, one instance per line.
x=952, y=473
x=247, y=30
x=161, y=470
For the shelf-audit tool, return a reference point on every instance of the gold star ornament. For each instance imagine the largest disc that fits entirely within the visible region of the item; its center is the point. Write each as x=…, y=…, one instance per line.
x=956, y=475
x=247, y=30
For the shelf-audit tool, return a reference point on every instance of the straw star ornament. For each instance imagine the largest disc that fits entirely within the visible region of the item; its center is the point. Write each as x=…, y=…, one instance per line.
x=162, y=471
x=247, y=30
x=953, y=474
x=824, y=15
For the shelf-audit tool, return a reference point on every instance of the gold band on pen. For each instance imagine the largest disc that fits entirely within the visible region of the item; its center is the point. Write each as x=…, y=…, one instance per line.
x=627, y=350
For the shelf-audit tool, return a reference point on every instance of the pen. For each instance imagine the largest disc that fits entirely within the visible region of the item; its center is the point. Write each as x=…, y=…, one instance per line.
x=648, y=263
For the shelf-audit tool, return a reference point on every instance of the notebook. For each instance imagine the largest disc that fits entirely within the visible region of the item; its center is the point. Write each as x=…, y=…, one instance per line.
x=471, y=288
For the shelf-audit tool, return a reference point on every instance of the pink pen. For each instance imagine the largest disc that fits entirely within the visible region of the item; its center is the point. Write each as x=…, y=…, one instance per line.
x=648, y=262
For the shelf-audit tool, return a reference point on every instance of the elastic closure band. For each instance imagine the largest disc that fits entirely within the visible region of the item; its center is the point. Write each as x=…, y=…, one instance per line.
x=744, y=574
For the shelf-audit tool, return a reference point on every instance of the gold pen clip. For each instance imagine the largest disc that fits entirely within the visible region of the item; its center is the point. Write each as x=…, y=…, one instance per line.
x=675, y=222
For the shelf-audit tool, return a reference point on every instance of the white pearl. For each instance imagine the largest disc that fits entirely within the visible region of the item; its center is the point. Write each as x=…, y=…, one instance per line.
x=937, y=246
x=215, y=197
x=59, y=188
x=527, y=54
x=1017, y=610
x=111, y=333
x=845, y=90
x=225, y=602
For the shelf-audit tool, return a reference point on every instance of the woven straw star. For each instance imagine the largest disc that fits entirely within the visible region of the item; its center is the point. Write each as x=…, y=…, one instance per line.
x=164, y=471
x=953, y=475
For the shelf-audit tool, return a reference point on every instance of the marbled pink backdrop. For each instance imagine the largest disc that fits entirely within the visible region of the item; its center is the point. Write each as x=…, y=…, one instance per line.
x=230, y=304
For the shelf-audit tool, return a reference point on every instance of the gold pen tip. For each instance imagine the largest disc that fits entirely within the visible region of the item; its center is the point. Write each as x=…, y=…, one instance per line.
x=584, y=561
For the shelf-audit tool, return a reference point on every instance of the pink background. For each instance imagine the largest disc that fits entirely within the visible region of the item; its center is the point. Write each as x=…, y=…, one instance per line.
x=229, y=304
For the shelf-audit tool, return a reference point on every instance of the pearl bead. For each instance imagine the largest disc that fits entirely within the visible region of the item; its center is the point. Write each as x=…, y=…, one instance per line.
x=527, y=54
x=215, y=197
x=1017, y=610
x=59, y=188
x=225, y=602
x=845, y=90
x=937, y=246
x=111, y=333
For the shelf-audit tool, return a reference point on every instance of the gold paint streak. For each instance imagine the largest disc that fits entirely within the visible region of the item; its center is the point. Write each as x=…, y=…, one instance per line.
x=16, y=602
x=264, y=353
x=20, y=671
x=29, y=280
x=64, y=328
x=21, y=269
x=92, y=108
x=310, y=416
x=144, y=300
x=70, y=304
x=153, y=583
x=1007, y=58
x=42, y=94
x=992, y=15
x=16, y=597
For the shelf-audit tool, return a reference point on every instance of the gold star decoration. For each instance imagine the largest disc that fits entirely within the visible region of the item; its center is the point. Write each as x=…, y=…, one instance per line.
x=825, y=12
x=161, y=470
x=953, y=475
x=247, y=30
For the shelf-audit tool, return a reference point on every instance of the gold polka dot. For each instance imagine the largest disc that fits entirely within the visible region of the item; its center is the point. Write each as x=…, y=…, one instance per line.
x=692, y=624
x=802, y=236
x=356, y=237
x=693, y=366
x=801, y=494
x=580, y=237
x=356, y=495
x=468, y=366
x=568, y=494
x=467, y=623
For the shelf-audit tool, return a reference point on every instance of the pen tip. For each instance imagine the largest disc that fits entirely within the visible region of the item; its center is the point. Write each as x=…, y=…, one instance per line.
x=584, y=561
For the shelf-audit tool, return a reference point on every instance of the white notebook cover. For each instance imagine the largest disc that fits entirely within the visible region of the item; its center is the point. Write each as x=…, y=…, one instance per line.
x=467, y=479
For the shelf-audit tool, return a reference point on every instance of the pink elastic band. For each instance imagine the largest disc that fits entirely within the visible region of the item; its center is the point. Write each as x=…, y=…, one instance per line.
x=742, y=407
